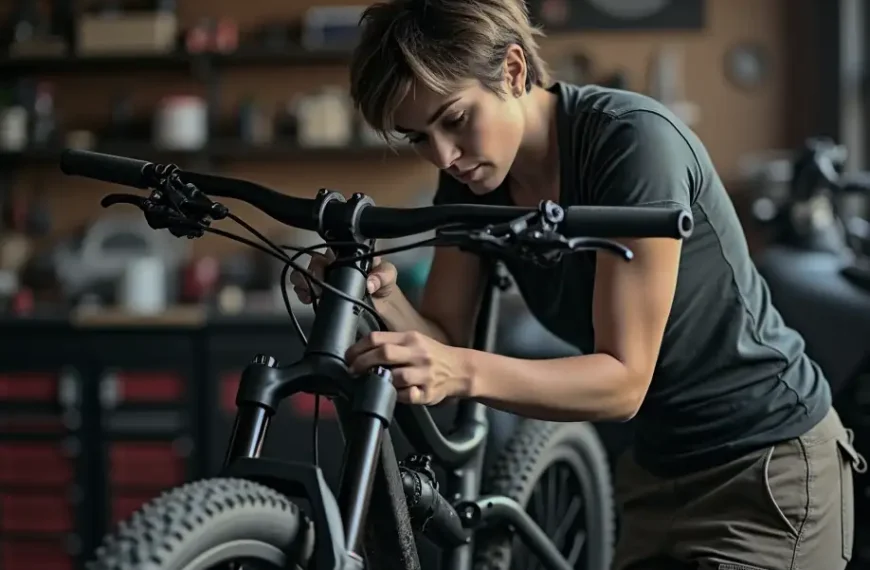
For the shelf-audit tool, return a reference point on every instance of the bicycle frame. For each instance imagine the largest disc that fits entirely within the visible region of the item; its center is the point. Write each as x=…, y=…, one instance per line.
x=321, y=371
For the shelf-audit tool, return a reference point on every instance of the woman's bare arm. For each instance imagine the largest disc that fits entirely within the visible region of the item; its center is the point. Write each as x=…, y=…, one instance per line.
x=450, y=304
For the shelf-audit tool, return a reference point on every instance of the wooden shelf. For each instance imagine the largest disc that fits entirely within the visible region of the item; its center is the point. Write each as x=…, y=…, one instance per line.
x=171, y=61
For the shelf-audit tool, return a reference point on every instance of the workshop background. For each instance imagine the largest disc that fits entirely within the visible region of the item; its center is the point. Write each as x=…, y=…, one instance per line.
x=120, y=347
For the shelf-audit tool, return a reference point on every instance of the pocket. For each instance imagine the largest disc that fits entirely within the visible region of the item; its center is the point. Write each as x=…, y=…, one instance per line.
x=849, y=460
x=784, y=475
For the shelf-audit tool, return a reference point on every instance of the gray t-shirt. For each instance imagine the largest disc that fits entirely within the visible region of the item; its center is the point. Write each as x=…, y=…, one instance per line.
x=731, y=376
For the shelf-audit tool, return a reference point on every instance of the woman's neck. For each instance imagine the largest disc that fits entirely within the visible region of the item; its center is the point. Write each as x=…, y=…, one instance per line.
x=534, y=175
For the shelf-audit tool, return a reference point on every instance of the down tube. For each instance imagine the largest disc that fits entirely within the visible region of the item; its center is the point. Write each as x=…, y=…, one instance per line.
x=463, y=483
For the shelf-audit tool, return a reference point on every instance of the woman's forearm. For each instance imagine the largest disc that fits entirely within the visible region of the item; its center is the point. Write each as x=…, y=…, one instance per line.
x=400, y=315
x=592, y=387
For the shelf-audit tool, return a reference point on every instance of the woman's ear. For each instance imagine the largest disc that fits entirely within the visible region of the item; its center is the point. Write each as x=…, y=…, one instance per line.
x=515, y=70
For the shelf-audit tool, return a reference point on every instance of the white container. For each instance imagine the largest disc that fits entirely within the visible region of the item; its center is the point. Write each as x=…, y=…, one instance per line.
x=181, y=123
x=143, y=287
x=13, y=129
x=325, y=119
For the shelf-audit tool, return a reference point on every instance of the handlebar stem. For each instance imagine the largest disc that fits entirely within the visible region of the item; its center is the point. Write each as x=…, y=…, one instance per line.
x=337, y=218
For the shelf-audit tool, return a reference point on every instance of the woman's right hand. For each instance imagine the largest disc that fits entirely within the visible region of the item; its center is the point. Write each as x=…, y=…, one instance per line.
x=380, y=285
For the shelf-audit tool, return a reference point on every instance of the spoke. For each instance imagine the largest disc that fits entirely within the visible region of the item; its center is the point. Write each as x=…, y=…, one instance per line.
x=556, y=504
x=552, y=500
x=567, y=521
x=564, y=475
x=577, y=550
x=539, y=508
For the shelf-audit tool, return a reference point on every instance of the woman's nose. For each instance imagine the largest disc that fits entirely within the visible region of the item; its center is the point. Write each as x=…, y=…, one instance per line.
x=443, y=152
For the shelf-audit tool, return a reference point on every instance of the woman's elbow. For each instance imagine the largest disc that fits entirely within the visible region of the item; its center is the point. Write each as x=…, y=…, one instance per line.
x=629, y=402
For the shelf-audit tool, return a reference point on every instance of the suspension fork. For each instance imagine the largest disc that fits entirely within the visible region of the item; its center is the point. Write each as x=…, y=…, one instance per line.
x=252, y=421
x=371, y=414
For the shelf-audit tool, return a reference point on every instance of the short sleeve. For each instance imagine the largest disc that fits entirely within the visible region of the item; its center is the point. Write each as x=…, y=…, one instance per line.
x=642, y=159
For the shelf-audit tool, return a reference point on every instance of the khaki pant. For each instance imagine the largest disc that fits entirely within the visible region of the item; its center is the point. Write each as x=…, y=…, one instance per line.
x=788, y=507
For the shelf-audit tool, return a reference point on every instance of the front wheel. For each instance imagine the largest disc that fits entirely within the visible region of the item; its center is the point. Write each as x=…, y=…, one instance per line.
x=207, y=525
x=559, y=473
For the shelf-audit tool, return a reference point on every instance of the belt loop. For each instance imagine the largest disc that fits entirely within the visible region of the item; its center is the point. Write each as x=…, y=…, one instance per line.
x=859, y=464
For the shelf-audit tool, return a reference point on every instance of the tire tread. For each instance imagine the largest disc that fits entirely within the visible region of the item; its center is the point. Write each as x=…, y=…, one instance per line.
x=512, y=475
x=152, y=535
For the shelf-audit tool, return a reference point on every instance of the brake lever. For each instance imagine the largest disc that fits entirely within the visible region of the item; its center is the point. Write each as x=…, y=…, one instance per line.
x=528, y=243
x=159, y=216
x=114, y=199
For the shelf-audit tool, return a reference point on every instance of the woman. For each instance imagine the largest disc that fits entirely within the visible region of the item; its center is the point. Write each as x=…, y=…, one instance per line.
x=739, y=462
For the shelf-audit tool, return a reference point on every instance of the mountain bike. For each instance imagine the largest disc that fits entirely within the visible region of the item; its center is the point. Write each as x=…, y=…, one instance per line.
x=264, y=513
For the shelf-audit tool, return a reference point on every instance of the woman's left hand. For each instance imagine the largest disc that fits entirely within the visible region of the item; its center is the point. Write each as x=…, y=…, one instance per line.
x=424, y=371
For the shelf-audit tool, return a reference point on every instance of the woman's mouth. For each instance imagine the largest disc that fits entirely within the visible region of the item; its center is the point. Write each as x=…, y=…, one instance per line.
x=470, y=175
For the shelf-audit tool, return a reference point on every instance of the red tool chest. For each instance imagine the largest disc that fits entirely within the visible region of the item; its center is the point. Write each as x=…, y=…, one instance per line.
x=145, y=435
x=38, y=453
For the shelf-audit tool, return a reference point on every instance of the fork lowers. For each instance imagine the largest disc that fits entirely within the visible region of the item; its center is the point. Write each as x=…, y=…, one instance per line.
x=373, y=407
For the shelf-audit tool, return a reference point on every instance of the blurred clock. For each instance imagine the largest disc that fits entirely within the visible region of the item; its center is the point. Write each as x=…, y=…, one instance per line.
x=746, y=65
x=570, y=15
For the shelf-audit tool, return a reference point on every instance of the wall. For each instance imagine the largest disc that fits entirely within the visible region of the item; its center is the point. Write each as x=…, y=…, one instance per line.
x=732, y=122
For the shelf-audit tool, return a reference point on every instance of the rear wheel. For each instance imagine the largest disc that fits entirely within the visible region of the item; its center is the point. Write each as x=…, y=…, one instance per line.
x=560, y=474
x=211, y=524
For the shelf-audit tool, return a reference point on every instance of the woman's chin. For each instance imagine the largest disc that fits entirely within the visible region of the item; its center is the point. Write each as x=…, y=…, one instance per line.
x=485, y=185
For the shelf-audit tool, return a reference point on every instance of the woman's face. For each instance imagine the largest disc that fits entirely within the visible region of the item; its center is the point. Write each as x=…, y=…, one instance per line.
x=472, y=133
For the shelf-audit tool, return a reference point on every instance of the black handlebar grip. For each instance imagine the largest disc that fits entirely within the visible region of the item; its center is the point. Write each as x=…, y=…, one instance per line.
x=105, y=167
x=627, y=222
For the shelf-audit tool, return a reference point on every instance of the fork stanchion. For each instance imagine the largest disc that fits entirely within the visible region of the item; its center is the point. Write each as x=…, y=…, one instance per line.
x=373, y=405
x=249, y=432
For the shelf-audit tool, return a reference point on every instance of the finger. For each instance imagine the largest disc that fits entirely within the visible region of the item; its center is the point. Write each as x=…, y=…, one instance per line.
x=373, y=283
x=317, y=264
x=316, y=268
x=384, y=355
x=302, y=277
x=303, y=294
x=370, y=341
x=407, y=376
x=324, y=257
x=298, y=280
x=385, y=272
x=413, y=395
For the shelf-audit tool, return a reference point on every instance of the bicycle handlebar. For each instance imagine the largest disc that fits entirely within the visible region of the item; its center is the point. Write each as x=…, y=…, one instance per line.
x=378, y=222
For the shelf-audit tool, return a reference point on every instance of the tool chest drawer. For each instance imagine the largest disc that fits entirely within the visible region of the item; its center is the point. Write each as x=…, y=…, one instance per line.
x=39, y=402
x=146, y=464
x=34, y=512
x=142, y=402
x=148, y=387
x=36, y=554
x=36, y=463
x=139, y=471
x=29, y=387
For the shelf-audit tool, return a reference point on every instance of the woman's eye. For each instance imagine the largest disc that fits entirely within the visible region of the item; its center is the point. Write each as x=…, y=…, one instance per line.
x=415, y=138
x=456, y=121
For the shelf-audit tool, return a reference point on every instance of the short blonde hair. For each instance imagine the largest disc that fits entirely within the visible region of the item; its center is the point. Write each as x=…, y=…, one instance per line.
x=439, y=43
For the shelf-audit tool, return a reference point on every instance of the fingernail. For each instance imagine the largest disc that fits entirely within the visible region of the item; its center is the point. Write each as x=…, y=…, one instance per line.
x=371, y=285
